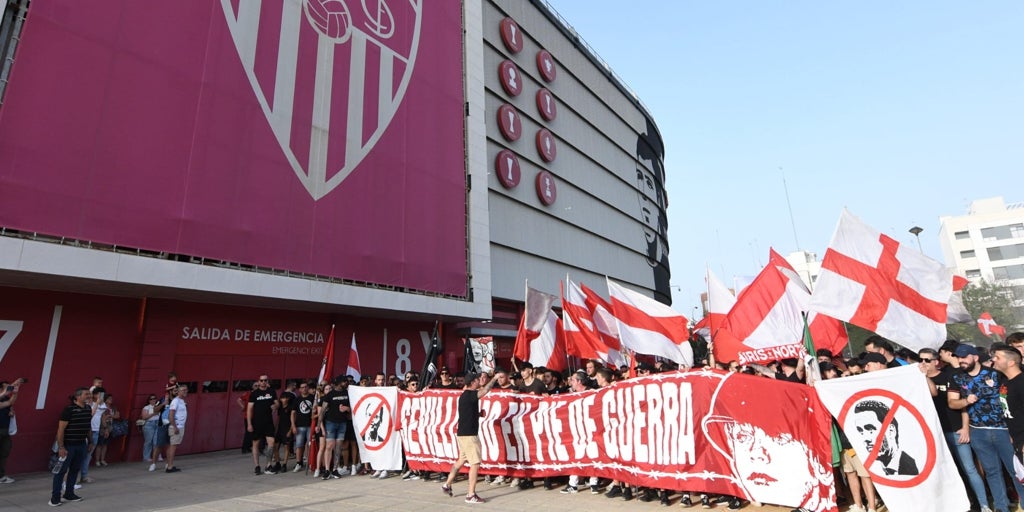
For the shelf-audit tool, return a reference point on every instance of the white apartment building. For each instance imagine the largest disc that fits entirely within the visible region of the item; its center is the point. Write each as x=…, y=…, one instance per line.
x=807, y=266
x=987, y=243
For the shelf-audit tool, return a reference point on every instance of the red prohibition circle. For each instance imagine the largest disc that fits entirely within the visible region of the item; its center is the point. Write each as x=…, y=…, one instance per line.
x=509, y=123
x=387, y=412
x=546, y=66
x=547, y=191
x=511, y=35
x=897, y=401
x=506, y=164
x=546, y=145
x=546, y=105
x=511, y=78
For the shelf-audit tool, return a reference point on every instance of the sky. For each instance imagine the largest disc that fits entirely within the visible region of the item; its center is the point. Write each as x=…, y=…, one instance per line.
x=901, y=112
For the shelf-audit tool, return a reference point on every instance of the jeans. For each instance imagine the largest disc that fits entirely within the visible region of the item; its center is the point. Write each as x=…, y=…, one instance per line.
x=5, y=450
x=88, y=454
x=993, y=447
x=149, y=439
x=72, y=465
x=964, y=458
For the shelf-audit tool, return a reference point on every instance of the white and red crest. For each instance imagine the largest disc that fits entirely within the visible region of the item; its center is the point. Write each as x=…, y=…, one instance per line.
x=329, y=75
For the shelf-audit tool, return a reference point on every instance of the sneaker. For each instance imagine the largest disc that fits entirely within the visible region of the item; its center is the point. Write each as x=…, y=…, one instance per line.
x=325, y=475
x=152, y=467
x=498, y=480
x=857, y=508
x=6, y=480
x=54, y=503
x=735, y=504
x=298, y=467
x=355, y=469
x=270, y=470
x=705, y=501
x=473, y=498
x=335, y=474
x=514, y=483
x=447, y=489
x=569, y=489
x=316, y=474
x=173, y=469
x=646, y=495
x=384, y=475
x=686, y=502
x=77, y=487
x=663, y=498
x=87, y=480
x=627, y=494
x=614, y=492
x=488, y=478
x=277, y=467
x=594, y=489
x=415, y=476
x=407, y=476
x=548, y=484
x=72, y=497
x=258, y=471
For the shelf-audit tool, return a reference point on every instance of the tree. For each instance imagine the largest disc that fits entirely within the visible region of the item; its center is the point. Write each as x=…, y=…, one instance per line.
x=980, y=297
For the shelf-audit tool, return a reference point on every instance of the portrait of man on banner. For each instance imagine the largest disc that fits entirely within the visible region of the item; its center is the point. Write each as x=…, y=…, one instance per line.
x=483, y=353
x=769, y=464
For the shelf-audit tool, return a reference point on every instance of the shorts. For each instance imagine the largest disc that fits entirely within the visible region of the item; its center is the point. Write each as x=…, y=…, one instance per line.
x=851, y=464
x=263, y=429
x=284, y=437
x=301, y=436
x=350, y=433
x=177, y=436
x=102, y=441
x=469, y=449
x=162, y=438
x=335, y=430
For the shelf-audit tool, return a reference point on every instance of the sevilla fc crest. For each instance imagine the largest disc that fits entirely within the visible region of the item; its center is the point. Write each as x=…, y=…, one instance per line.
x=329, y=75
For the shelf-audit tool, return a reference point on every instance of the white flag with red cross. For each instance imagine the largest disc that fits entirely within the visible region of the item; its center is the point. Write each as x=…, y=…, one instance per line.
x=872, y=281
x=989, y=327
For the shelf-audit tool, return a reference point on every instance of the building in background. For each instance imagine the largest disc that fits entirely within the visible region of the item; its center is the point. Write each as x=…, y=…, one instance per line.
x=807, y=266
x=209, y=187
x=987, y=243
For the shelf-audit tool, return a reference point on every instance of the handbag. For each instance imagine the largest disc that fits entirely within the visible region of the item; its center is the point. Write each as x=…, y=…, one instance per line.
x=118, y=428
x=13, y=429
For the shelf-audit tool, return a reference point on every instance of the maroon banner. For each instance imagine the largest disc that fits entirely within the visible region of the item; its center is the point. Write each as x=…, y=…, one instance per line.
x=318, y=137
x=700, y=431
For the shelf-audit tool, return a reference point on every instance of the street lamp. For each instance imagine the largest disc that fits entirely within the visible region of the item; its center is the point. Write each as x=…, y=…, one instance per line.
x=916, y=231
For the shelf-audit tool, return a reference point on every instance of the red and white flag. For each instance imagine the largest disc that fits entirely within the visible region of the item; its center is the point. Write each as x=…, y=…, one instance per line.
x=989, y=327
x=826, y=332
x=870, y=280
x=531, y=325
x=604, y=324
x=327, y=365
x=581, y=337
x=647, y=326
x=720, y=301
x=354, y=368
x=548, y=349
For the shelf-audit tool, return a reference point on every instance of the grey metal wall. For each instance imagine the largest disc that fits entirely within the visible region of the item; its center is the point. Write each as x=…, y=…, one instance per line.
x=609, y=216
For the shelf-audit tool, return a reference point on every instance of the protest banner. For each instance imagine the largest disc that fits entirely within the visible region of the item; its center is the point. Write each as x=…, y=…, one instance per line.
x=373, y=417
x=701, y=431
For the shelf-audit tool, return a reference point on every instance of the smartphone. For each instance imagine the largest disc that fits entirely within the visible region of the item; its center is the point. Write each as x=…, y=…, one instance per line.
x=10, y=389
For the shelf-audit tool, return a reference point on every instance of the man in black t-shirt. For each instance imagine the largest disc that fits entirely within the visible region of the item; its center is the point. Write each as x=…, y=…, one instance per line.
x=283, y=438
x=1007, y=360
x=302, y=418
x=73, y=437
x=530, y=384
x=260, y=417
x=477, y=385
x=336, y=412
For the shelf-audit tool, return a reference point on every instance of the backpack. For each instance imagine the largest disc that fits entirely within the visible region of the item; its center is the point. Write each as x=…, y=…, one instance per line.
x=165, y=415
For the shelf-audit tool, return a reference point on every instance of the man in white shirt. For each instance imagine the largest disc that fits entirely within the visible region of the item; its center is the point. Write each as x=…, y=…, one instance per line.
x=176, y=430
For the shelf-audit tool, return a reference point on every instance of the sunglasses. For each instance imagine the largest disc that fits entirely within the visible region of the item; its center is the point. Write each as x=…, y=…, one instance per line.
x=926, y=360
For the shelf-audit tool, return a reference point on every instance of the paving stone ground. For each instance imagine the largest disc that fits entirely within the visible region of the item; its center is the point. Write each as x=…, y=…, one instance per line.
x=224, y=481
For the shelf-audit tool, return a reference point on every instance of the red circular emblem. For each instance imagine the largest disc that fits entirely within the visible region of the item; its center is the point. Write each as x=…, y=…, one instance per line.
x=511, y=35
x=506, y=164
x=546, y=65
x=546, y=105
x=546, y=145
x=546, y=190
x=509, y=123
x=511, y=78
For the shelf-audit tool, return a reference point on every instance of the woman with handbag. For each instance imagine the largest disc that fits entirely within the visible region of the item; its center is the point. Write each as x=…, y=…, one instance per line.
x=150, y=422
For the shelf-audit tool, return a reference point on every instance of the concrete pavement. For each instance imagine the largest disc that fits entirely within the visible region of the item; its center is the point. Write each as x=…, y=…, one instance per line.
x=224, y=481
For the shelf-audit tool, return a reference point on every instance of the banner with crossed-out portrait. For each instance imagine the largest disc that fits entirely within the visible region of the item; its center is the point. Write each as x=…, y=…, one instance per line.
x=703, y=431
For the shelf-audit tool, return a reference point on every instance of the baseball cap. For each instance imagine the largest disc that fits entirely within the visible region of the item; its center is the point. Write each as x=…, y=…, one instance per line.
x=873, y=357
x=471, y=376
x=964, y=350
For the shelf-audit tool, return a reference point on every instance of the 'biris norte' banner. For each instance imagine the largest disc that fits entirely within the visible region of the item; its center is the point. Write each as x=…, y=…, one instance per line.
x=700, y=431
x=315, y=136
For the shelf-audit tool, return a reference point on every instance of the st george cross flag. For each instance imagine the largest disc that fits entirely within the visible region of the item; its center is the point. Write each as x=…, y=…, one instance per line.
x=373, y=417
x=354, y=368
x=647, y=326
x=827, y=332
x=535, y=318
x=989, y=327
x=870, y=280
x=891, y=422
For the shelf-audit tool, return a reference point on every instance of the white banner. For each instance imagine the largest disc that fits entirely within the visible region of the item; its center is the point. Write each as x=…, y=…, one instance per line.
x=891, y=422
x=373, y=417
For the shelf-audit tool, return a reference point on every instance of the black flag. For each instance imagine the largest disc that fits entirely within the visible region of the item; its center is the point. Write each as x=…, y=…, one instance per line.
x=429, y=365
